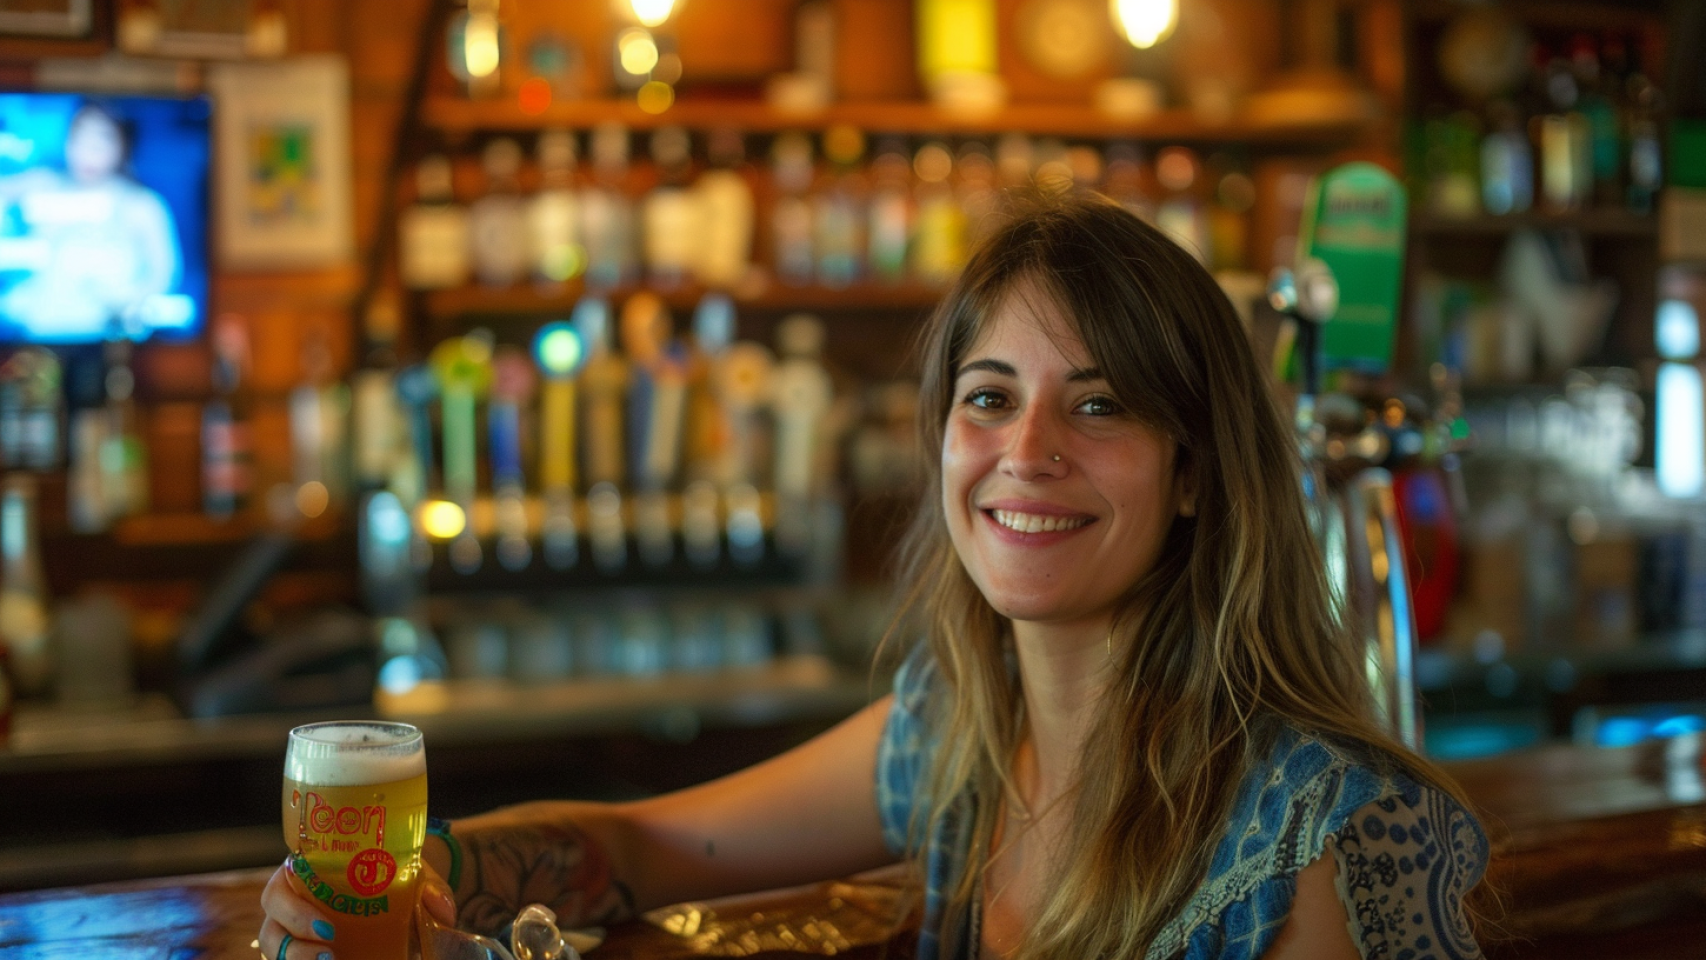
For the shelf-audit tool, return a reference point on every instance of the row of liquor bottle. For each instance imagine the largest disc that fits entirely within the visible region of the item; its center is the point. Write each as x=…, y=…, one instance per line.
x=1584, y=131
x=901, y=212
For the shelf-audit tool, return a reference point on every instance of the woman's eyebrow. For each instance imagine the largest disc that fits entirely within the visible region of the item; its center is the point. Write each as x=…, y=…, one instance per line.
x=998, y=367
x=1001, y=368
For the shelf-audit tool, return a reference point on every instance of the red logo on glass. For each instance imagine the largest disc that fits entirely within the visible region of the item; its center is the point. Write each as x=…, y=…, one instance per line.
x=371, y=871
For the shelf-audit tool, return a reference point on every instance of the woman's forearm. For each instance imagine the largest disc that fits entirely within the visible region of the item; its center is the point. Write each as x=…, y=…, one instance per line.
x=564, y=855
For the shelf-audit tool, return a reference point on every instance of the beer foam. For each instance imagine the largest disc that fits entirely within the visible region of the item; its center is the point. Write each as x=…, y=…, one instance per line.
x=354, y=754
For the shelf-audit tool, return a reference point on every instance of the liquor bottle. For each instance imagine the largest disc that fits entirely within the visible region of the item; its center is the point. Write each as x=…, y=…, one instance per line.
x=553, y=214
x=956, y=44
x=124, y=459
x=24, y=620
x=1229, y=211
x=85, y=488
x=463, y=368
x=560, y=353
x=891, y=213
x=1645, y=104
x=801, y=393
x=376, y=421
x=791, y=217
x=726, y=212
x=978, y=192
x=939, y=245
x=1180, y=215
x=433, y=233
x=671, y=216
x=1122, y=179
x=603, y=392
x=319, y=431
x=1507, y=162
x=31, y=402
x=513, y=384
x=838, y=214
x=607, y=214
x=1015, y=160
x=1605, y=138
x=225, y=450
x=1566, y=152
x=657, y=394
x=497, y=222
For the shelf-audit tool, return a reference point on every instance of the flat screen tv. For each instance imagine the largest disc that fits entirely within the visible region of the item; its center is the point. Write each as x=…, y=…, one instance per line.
x=103, y=217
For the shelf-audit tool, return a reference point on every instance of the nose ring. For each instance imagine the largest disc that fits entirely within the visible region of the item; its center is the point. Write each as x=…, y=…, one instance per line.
x=1057, y=458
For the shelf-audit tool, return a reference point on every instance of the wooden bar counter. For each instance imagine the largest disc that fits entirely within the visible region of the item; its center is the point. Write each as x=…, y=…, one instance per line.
x=1597, y=853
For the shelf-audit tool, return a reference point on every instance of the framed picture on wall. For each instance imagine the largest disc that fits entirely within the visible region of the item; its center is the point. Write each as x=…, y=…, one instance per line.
x=282, y=163
x=60, y=19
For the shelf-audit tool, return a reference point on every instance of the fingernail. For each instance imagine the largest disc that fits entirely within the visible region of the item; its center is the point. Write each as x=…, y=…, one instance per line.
x=323, y=955
x=324, y=931
x=439, y=898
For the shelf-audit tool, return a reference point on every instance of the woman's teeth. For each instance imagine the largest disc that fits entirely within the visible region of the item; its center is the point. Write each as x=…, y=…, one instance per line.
x=1036, y=523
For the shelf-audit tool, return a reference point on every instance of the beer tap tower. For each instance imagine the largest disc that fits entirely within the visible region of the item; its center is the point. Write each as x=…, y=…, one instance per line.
x=1341, y=299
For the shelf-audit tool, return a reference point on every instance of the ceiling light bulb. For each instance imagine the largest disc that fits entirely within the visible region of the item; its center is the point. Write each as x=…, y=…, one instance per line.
x=1145, y=23
x=652, y=12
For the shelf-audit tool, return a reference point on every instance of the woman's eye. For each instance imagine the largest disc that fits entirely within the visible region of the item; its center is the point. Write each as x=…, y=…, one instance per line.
x=986, y=399
x=1100, y=406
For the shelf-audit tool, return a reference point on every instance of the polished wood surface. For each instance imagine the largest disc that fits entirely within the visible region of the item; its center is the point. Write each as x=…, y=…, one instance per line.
x=1597, y=853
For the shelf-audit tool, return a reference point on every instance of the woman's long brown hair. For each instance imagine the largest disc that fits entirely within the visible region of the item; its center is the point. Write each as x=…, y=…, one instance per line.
x=1230, y=635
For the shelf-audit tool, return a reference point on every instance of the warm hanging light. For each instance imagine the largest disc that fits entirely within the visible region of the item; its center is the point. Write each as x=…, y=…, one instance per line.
x=652, y=12
x=1145, y=22
x=481, y=50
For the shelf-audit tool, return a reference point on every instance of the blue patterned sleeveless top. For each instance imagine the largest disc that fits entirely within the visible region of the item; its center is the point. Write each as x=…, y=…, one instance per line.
x=1407, y=854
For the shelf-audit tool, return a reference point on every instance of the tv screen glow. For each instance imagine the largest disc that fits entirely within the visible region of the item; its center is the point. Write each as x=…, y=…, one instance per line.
x=103, y=216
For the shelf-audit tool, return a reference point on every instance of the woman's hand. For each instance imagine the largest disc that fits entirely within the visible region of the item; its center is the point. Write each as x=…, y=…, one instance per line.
x=313, y=931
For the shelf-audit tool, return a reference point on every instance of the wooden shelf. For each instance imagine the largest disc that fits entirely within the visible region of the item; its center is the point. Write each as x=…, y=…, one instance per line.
x=188, y=529
x=461, y=116
x=1598, y=223
x=478, y=301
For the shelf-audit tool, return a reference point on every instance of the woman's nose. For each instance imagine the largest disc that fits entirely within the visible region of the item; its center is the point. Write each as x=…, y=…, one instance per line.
x=1035, y=446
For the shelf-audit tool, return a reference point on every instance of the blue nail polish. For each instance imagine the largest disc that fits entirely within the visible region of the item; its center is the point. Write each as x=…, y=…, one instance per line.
x=324, y=931
x=323, y=955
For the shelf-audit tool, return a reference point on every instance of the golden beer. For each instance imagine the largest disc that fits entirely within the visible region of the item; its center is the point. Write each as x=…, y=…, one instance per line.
x=354, y=818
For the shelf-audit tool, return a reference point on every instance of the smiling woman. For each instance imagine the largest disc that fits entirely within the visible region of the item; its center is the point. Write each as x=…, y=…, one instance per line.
x=1160, y=731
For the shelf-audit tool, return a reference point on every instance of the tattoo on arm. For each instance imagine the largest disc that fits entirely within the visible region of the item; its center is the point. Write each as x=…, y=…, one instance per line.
x=558, y=865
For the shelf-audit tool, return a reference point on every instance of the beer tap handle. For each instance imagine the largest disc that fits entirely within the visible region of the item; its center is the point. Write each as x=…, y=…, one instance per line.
x=513, y=383
x=464, y=371
x=560, y=353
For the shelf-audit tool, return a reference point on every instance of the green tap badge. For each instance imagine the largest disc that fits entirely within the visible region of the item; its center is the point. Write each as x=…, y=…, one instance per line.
x=1354, y=222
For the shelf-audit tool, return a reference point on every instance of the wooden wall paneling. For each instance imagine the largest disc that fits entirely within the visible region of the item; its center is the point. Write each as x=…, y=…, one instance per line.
x=274, y=350
x=317, y=26
x=269, y=441
x=875, y=54
x=734, y=40
x=1024, y=26
x=173, y=438
x=1222, y=50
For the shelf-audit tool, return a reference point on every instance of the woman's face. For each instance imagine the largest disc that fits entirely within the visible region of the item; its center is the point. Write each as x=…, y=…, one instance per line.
x=1057, y=500
x=94, y=147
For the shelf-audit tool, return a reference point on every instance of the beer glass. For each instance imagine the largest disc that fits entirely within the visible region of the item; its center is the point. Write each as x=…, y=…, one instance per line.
x=355, y=797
